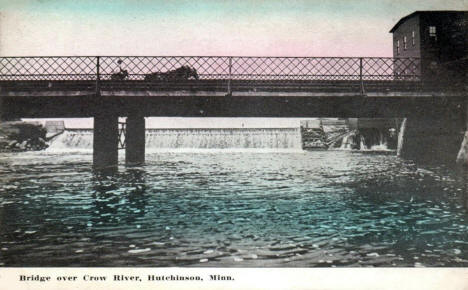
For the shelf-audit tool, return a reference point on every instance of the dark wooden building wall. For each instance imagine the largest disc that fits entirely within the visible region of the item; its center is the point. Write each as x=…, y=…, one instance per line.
x=451, y=43
x=406, y=29
x=451, y=31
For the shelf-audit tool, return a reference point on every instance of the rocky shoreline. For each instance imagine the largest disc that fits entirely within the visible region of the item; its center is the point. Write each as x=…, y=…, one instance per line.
x=18, y=136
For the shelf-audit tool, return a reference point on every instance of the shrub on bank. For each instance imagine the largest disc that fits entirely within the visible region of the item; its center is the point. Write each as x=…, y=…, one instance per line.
x=17, y=136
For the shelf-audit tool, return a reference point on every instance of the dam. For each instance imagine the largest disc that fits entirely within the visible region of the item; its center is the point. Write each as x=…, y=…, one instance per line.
x=194, y=138
x=375, y=134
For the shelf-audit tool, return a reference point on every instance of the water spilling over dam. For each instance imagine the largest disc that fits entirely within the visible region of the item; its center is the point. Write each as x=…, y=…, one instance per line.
x=231, y=138
x=198, y=138
x=350, y=134
x=367, y=140
x=375, y=139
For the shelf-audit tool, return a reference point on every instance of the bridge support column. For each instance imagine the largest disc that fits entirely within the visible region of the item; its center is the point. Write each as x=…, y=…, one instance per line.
x=430, y=139
x=135, y=140
x=401, y=137
x=105, y=142
x=462, y=157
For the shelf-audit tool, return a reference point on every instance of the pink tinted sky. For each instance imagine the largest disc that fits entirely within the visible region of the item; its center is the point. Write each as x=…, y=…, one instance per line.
x=205, y=27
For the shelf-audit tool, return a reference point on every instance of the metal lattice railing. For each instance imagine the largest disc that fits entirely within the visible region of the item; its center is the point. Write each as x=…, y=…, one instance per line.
x=210, y=68
x=48, y=68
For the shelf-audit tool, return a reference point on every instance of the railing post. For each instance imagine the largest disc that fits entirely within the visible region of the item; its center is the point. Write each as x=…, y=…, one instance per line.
x=229, y=88
x=360, y=69
x=1, y=105
x=360, y=77
x=98, y=77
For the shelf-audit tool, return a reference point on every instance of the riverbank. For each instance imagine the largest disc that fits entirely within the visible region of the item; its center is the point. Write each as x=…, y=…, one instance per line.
x=18, y=136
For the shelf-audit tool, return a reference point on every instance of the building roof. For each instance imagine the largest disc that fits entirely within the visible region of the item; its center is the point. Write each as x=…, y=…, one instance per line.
x=423, y=12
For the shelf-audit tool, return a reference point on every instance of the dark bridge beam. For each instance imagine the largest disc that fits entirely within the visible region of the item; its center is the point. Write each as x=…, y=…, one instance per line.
x=217, y=104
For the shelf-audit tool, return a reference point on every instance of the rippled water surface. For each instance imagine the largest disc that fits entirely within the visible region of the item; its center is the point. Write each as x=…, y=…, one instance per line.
x=308, y=209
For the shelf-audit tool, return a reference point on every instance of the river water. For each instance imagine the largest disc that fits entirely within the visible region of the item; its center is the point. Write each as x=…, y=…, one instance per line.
x=231, y=209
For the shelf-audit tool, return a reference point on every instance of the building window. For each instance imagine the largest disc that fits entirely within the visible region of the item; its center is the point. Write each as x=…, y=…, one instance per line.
x=413, y=38
x=404, y=43
x=397, y=47
x=432, y=33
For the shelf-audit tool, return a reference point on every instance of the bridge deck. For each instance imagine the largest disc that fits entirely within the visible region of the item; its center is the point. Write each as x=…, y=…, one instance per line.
x=236, y=86
x=225, y=86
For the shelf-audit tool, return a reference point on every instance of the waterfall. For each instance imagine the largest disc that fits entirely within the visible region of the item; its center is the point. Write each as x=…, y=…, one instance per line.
x=382, y=145
x=204, y=138
x=72, y=140
x=362, y=143
x=347, y=141
x=365, y=140
x=280, y=138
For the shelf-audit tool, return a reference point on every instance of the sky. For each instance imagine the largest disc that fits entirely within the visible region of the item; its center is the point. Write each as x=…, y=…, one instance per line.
x=206, y=28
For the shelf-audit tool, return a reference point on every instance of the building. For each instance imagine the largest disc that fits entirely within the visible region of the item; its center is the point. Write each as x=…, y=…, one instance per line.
x=434, y=37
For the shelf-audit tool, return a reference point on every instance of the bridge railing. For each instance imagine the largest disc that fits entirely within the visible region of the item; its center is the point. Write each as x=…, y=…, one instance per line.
x=48, y=68
x=212, y=68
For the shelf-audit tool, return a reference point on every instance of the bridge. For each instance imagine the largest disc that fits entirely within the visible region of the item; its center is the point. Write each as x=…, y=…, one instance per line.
x=108, y=87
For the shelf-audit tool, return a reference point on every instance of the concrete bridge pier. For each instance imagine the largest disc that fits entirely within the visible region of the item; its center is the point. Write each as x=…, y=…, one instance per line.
x=462, y=157
x=105, y=142
x=135, y=140
x=430, y=139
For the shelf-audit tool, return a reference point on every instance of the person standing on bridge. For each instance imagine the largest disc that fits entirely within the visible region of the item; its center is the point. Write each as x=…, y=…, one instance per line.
x=119, y=63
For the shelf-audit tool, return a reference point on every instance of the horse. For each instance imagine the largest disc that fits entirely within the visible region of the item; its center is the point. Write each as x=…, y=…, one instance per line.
x=120, y=76
x=184, y=72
